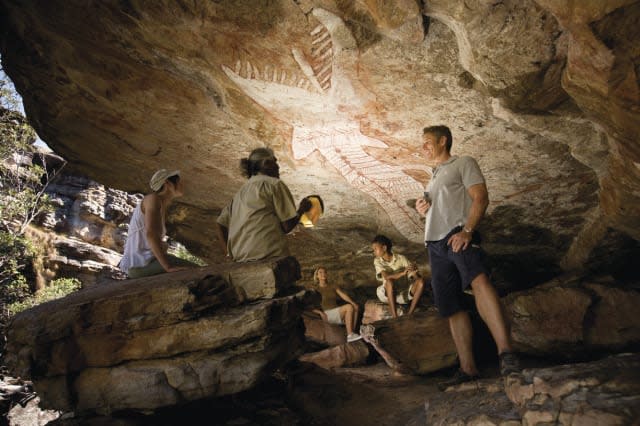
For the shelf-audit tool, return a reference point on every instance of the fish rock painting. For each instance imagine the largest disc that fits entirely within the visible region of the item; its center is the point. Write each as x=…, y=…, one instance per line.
x=321, y=107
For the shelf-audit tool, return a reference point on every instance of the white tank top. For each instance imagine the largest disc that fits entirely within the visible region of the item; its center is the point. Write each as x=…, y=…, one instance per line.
x=137, y=252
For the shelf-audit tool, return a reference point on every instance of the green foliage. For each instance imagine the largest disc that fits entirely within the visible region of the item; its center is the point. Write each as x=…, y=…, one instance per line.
x=22, y=195
x=56, y=289
x=22, y=198
x=15, y=253
x=8, y=97
x=180, y=251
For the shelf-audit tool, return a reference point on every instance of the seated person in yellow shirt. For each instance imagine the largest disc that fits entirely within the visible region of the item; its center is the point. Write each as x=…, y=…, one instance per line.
x=401, y=281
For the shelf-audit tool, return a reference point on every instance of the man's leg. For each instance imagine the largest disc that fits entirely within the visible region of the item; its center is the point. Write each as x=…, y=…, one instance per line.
x=490, y=311
x=416, y=293
x=388, y=288
x=462, y=333
x=447, y=288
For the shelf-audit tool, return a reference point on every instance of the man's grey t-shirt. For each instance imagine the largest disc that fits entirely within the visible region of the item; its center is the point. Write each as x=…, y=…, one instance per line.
x=450, y=201
x=253, y=219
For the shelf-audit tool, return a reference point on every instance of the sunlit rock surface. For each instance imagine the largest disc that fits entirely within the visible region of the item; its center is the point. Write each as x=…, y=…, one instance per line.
x=85, y=232
x=544, y=94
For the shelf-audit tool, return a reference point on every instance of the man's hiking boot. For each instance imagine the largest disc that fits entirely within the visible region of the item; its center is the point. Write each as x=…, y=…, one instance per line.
x=458, y=378
x=509, y=363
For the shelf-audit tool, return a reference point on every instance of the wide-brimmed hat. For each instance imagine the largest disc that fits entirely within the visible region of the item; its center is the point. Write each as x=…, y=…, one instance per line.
x=159, y=177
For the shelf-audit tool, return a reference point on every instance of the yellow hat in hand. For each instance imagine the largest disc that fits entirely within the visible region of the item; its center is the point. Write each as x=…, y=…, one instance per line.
x=311, y=217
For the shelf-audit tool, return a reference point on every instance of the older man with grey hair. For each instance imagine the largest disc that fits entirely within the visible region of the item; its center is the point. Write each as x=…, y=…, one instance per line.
x=253, y=226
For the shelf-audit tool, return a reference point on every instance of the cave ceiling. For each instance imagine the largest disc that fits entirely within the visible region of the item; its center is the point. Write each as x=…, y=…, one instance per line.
x=544, y=94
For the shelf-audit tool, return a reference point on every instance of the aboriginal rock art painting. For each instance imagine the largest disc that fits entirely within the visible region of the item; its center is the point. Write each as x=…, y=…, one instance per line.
x=321, y=105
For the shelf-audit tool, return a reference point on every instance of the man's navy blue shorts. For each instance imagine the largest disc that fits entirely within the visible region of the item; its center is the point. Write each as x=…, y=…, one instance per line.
x=452, y=273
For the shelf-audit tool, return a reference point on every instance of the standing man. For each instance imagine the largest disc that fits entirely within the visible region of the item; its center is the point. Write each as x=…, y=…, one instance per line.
x=455, y=201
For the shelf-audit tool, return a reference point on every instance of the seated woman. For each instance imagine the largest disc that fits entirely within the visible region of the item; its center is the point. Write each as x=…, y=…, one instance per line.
x=254, y=225
x=331, y=312
x=145, y=252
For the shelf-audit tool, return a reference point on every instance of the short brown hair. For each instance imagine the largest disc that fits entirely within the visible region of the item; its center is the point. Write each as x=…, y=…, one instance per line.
x=439, y=131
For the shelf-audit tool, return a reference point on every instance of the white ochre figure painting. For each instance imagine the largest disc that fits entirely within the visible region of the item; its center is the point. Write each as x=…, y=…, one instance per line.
x=321, y=106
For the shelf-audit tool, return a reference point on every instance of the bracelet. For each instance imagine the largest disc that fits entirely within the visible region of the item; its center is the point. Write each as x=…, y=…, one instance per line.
x=467, y=230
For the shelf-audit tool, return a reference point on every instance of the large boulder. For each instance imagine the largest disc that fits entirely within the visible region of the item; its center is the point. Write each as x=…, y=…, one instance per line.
x=162, y=340
x=571, y=316
x=418, y=343
x=321, y=332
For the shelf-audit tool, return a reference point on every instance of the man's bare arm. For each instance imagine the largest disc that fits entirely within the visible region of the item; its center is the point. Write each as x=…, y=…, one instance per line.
x=479, y=203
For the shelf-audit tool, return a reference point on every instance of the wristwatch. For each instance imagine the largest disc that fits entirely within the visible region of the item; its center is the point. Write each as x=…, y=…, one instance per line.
x=467, y=230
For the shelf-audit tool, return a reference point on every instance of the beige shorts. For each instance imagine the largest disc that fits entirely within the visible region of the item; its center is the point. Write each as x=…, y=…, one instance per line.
x=402, y=297
x=333, y=316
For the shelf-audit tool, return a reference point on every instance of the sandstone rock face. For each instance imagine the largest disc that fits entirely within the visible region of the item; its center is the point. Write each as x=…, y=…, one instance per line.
x=87, y=262
x=604, y=392
x=542, y=93
x=89, y=211
x=572, y=317
x=160, y=341
x=87, y=230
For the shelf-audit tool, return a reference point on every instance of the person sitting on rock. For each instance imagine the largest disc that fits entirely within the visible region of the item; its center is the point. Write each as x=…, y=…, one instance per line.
x=332, y=313
x=401, y=280
x=145, y=252
x=254, y=225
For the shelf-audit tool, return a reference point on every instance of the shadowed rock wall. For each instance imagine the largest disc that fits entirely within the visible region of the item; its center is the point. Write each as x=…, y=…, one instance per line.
x=543, y=93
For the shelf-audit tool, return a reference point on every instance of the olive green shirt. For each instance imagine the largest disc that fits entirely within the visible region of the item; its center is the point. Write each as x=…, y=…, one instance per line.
x=254, y=217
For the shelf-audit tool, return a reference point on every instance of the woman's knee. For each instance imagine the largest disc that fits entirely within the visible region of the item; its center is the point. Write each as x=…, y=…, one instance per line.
x=346, y=310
